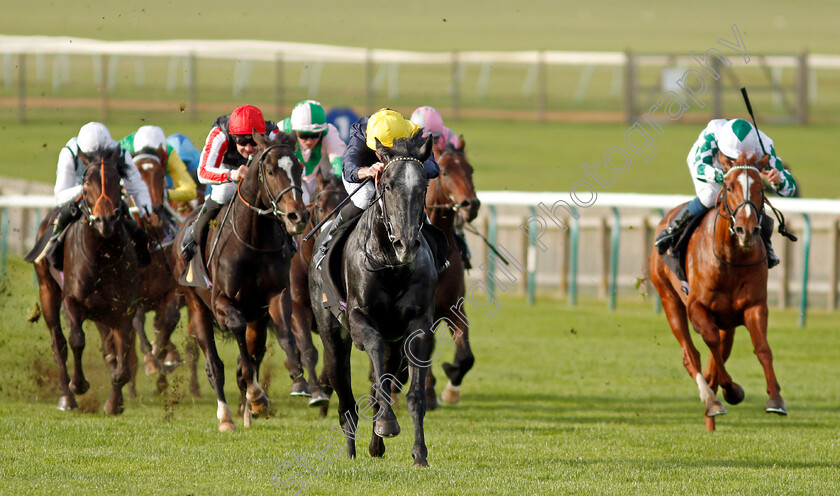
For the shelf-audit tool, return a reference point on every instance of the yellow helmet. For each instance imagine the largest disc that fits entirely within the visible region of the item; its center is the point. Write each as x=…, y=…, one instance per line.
x=386, y=125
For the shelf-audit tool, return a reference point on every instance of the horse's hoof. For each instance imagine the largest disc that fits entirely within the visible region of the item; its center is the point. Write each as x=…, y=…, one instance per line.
x=112, y=408
x=715, y=409
x=173, y=359
x=300, y=388
x=776, y=406
x=325, y=409
x=318, y=399
x=150, y=364
x=734, y=394
x=377, y=447
x=259, y=406
x=227, y=426
x=67, y=403
x=386, y=428
x=421, y=463
x=432, y=403
x=162, y=384
x=451, y=394
x=79, y=388
x=132, y=391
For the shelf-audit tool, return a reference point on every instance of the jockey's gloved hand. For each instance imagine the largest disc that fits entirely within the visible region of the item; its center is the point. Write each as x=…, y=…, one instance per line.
x=236, y=174
x=151, y=219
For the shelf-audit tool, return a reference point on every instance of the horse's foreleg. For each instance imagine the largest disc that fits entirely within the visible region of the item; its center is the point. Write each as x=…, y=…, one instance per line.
x=302, y=329
x=365, y=333
x=280, y=309
x=418, y=348
x=167, y=315
x=74, y=315
x=191, y=350
x=120, y=373
x=151, y=364
x=459, y=327
x=50, y=296
x=755, y=319
x=201, y=320
x=252, y=391
x=733, y=394
x=704, y=324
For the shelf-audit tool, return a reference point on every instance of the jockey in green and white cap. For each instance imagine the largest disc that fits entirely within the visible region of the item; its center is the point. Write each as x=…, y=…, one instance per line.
x=726, y=140
x=319, y=144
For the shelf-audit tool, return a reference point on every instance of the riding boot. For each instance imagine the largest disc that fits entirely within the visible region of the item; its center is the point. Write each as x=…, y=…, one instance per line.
x=671, y=234
x=141, y=240
x=196, y=233
x=344, y=219
x=68, y=214
x=766, y=233
x=438, y=243
x=463, y=248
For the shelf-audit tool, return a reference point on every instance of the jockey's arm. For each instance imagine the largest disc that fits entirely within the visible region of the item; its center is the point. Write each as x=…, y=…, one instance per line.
x=787, y=185
x=357, y=155
x=210, y=170
x=431, y=167
x=333, y=147
x=184, y=187
x=133, y=182
x=67, y=188
x=704, y=169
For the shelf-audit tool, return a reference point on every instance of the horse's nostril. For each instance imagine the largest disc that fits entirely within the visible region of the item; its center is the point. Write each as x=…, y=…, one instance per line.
x=466, y=203
x=398, y=245
x=739, y=230
x=293, y=216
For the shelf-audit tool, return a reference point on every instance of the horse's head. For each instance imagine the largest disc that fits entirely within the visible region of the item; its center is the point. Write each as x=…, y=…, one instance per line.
x=402, y=189
x=279, y=174
x=101, y=189
x=149, y=162
x=742, y=198
x=330, y=192
x=454, y=186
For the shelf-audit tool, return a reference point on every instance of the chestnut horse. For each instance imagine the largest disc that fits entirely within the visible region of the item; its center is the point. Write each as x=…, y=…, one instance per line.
x=450, y=202
x=330, y=192
x=159, y=290
x=100, y=282
x=249, y=255
x=726, y=266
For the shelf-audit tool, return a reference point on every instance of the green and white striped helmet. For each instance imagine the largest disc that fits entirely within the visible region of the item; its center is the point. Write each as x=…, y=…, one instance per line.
x=738, y=136
x=308, y=117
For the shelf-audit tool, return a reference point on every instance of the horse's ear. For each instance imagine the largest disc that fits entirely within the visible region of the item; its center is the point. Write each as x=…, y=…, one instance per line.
x=764, y=163
x=426, y=148
x=319, y=178
x=84, y=158
x=383, y=151
x=259, y=139
x=461, y=143
x=116, y=154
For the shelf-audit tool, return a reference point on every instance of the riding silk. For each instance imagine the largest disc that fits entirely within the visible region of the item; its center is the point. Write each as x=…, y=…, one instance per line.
x=70, y=174
x=176, y=170
x=707, y=171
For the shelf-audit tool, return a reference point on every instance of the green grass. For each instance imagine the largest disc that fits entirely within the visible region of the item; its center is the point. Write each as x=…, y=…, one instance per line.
x=561, y=401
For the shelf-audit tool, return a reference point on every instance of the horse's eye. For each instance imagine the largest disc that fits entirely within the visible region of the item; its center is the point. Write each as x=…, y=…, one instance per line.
x=387, y=187
x=443, y=173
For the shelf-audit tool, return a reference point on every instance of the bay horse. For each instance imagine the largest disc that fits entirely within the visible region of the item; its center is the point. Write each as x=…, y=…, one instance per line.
x=249, y=272
x=100, y=282
x=450, y=202
x=726, y=266
x=388, y=274
x=329, y=193
x=159, y=290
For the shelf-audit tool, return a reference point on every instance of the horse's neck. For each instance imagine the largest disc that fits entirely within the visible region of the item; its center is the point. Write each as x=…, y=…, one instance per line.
x=375, y=236
x=98, y=248
x=443, y=219
x=255, y=229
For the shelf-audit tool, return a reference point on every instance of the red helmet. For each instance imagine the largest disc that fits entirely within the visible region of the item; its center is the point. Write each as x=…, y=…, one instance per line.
x=246, y=119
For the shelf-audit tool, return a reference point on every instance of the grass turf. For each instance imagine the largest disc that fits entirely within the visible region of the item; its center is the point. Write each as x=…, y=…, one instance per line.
x=561, y=401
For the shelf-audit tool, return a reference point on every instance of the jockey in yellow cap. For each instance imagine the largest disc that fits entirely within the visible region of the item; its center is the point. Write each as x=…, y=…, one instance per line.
x=361, y=161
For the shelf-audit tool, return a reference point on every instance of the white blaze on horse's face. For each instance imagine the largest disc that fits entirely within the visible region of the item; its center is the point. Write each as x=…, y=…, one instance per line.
x=287, y=164
x=746, y=184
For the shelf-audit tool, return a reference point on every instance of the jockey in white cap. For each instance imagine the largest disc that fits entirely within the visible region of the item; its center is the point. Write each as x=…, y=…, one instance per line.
x=723, y=142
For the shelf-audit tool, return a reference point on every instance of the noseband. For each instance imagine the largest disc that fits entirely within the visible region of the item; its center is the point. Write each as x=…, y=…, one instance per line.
x=83, y=204
x=272, y=198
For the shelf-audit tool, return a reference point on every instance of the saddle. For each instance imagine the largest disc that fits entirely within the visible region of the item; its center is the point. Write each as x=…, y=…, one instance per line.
x=674, y=258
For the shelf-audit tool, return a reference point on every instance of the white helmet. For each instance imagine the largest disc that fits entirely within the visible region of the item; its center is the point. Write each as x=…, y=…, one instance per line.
x=308, y=117
x=94, y=136
x=738, y=136
x=149, y=137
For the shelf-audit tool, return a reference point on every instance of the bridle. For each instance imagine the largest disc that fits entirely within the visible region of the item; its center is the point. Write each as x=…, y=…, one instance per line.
x=441, y=190
x=313, y=205
x=389, y=228
x=731, y=213
x=272, y=198
x=83, y=203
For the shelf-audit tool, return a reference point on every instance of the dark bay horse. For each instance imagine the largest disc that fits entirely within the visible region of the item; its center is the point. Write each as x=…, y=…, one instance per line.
x=100, y=282
x=249, y=270
x=726, y=265
x=330, y=192
x=450, y=202
x=388, y=275
x=159, y=290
